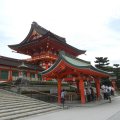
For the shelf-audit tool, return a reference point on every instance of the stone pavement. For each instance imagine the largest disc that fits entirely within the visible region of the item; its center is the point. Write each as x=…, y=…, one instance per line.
x=100, y=110
x=89, y=104
x=116, y=116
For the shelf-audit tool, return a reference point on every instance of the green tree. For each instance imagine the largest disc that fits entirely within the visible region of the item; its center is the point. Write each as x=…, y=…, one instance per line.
x=116, y=65
x=116, y=70
x=101, y=62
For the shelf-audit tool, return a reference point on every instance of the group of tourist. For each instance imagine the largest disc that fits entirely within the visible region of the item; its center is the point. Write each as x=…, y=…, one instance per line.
x=107, y=91
x=90, y=93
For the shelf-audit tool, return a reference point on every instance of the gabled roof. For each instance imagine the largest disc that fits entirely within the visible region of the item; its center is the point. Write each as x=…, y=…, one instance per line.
x=40, y=30
x=80, y=65
x=42, y=35
x=6, y=61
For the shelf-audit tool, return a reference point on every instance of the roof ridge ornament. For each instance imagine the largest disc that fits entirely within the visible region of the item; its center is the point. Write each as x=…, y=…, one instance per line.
x=34, y=22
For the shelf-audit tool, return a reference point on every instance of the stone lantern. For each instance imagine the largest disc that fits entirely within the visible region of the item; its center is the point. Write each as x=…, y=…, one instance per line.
x=22, y=69
x=22, y=79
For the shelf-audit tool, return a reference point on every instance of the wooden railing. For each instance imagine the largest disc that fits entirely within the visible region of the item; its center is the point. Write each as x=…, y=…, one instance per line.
x=43, y=56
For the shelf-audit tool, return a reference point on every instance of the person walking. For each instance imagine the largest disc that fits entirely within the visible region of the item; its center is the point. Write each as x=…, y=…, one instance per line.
x=103, y=91
x=92, y=94
x=109, y=93
x=88, y=93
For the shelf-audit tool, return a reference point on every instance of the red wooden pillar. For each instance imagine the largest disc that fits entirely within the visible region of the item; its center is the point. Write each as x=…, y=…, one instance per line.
x=97, y=81
x=59, y=91
x=10, y=75
x=82, y=94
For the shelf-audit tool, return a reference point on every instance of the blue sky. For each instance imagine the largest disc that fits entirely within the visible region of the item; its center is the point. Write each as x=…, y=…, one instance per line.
x=92, y=25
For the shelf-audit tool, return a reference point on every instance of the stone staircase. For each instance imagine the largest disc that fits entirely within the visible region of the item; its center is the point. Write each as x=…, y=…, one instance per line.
x=14, y=106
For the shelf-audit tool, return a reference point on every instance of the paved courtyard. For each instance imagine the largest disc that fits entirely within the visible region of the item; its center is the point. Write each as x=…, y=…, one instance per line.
x=97, y=111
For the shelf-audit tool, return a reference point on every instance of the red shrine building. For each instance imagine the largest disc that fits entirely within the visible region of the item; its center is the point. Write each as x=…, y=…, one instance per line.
x=52, y=58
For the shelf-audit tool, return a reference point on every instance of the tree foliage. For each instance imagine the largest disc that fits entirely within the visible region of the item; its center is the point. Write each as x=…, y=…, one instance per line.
x=101, y=62
x=116, y=65
x=116, y=70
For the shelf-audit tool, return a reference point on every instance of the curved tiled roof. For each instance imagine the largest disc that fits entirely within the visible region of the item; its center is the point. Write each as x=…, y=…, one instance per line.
x=40, y=30
x=44, y=34
x=76, y=63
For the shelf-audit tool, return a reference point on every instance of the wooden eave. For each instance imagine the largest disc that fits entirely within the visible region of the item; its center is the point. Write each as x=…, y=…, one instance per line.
x=62, y=63
x=39, y=30
x=52, y=39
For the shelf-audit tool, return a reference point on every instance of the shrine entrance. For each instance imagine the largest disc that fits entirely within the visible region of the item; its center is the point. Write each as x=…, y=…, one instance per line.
x=68, y=68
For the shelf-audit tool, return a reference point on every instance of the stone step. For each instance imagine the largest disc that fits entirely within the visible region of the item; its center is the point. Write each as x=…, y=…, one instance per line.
x=24, y=108
x=8, y=96
x=20, y=106
x=14, y=106
x=17, y=97
x=8, y=93
x=25, y=114
x=21, y=103
x=3, y=100
x=17, y=102
x=13, y=96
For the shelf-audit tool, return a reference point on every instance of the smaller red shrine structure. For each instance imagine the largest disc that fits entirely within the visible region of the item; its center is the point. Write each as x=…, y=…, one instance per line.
x=69, y=68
